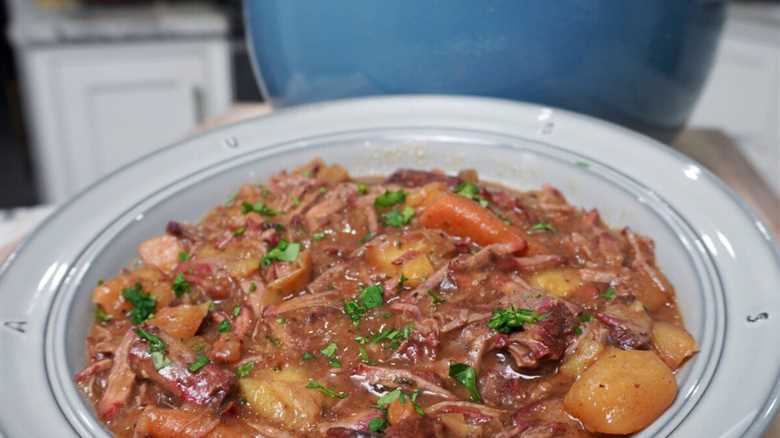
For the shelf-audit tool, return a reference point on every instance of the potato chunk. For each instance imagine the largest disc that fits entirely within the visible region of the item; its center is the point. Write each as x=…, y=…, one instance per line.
x=589, y=346
x=673, y=344
x=409, y=260
x=622, y=392
x=181, y=321
x=161, y=252
x=558, y=282
x=282, y=397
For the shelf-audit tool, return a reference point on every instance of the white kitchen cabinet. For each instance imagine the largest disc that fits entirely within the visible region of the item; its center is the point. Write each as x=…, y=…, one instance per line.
x=92, y=108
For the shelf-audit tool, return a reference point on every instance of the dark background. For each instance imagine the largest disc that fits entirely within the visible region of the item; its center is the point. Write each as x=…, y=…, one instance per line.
x=16, y=174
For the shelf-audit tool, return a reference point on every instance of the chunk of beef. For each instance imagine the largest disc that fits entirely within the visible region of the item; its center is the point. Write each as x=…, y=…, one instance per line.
x=207, y=387
x=546, y=339
x=120, y=380
x=415, y=427
x=630, y=327
x=394, y=377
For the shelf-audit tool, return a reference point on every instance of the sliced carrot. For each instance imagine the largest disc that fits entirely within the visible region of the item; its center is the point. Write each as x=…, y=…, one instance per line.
x=463, y=217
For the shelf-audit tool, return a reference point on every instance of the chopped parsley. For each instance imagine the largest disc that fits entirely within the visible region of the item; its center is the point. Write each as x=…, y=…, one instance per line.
x=143, y=303
x=102, y=316
x=511, y=319
x=259, y=208
x=384, y=401
x=609, y=294
x=281, y=320
x=471, y=191
x=542, y=227
x=245, y=369
x=200, y=361
x=436, y=297
x=388, y=398
x=467, y=189
x=398, y=219
x=284, y=252
x=239, y=231
x=377, y=425
x=330, y=352
x=466, y=376
x=252, y=286
x=237, y=310
x=390, y=198
x=224, y=326
x=157, y=348
x=368, y=236
x=372, y=296
x=417, y=407
x=313, y=384
x=318, y=235
x=585, y=317
x=354, y=311
x=391, y=335
x=363, y=356
x=362, y=188
x=180, y=285
x=307, y=356
x=276, y=342
x=183, y=256
x=323, y=189
x=578, y=330
x=296, y=201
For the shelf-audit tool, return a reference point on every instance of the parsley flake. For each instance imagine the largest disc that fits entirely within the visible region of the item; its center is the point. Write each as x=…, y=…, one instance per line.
x=362, y=188
x=284, y=251
x=259, y=208
x=609, y=294
x=372, y=296
x=102, y=316
x=466, y=376
x=183, y=256
x=542, y=227
x=313, y=384
x=397, y=218
x=245, y=369
x=143, y=303
x=436, y=297
x=511, y=319
x=390, y=198
x=383, y=401
x=224, y=326
x=329, y=350
x=180, y=285
x=377, y=425
x=200, y=361
x=368, y=236
x=157, y=348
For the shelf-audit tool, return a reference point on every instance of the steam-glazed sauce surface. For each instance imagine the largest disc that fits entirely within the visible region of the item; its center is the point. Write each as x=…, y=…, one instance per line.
x=421, y=304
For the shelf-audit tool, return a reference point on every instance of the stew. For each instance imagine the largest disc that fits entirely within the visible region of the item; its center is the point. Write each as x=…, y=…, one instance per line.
x=421, y=304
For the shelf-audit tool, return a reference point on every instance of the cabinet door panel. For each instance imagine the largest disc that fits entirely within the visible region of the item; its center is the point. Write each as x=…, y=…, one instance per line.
x=94, y=108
